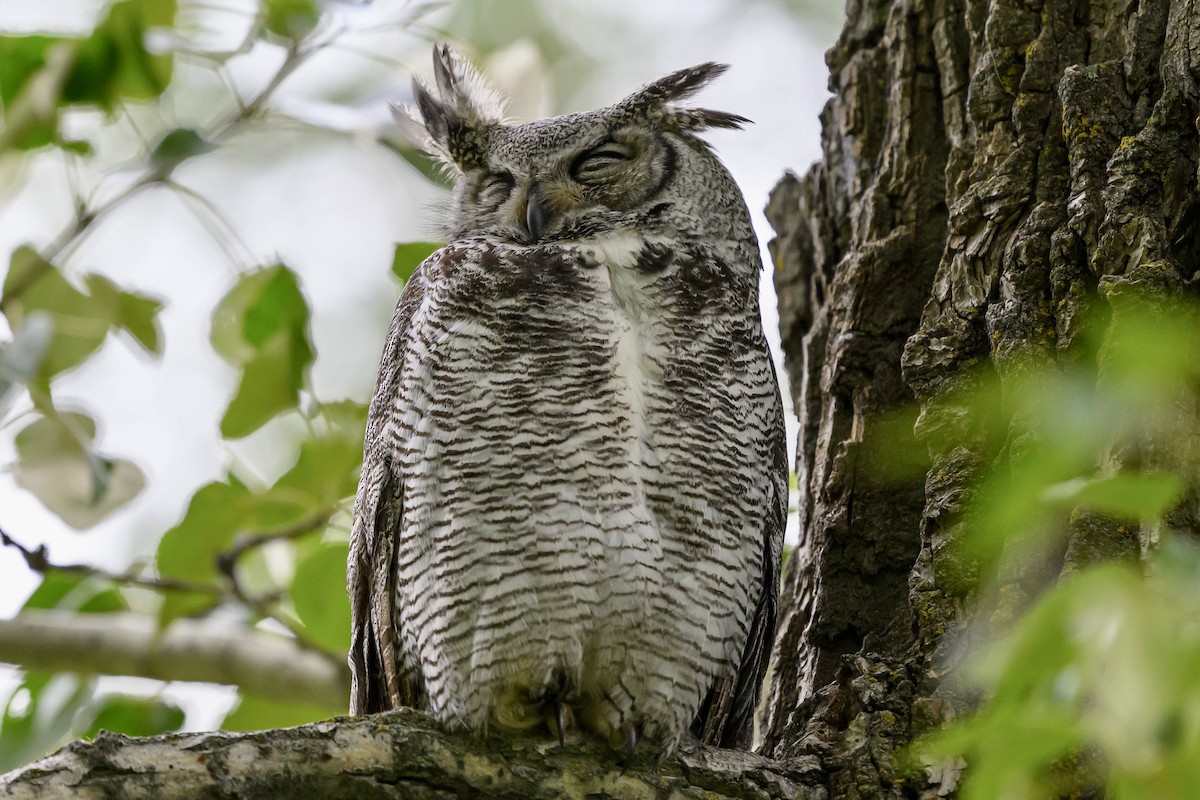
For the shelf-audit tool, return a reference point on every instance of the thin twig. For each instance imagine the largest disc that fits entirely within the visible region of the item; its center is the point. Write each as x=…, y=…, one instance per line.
x=294, y=58
x=264, y=605
x=228, y=558
x=218, y=225
x=38, y=560
x=86, y=217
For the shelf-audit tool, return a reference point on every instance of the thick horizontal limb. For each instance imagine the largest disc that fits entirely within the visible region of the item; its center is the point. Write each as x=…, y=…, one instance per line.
x=262, y=663
x=400, y=754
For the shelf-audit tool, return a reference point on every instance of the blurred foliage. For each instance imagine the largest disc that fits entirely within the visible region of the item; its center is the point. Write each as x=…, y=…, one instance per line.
x=41, y=75
x=57, y=463
x=259, y=552
x=1095, y=681
x=261, y=327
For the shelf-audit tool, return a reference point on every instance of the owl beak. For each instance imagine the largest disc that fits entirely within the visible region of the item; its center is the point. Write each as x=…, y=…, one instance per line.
x=537, y=214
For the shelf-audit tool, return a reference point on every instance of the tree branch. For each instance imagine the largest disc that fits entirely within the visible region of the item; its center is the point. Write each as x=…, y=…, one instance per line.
x=262, y=663
x=401, y=754
x=263, y=605
x=38, y=560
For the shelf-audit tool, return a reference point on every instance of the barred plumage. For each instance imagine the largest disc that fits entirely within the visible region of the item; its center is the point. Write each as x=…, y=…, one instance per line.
x=574, y=480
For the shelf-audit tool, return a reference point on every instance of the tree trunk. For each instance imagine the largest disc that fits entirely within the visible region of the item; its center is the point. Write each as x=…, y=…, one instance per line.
x=991, y=171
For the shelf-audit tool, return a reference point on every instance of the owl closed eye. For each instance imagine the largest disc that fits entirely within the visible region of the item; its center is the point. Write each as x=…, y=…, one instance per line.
x=598, y=171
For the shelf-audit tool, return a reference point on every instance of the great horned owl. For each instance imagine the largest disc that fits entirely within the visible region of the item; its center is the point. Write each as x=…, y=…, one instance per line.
x=574, y=483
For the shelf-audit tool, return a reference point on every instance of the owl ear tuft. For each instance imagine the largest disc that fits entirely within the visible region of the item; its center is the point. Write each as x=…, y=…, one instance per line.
x=453, y=121
x=655, y=100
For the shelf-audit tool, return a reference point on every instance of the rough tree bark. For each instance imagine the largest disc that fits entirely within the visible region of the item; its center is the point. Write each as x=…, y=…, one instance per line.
x=400, y=754
x=991, y=170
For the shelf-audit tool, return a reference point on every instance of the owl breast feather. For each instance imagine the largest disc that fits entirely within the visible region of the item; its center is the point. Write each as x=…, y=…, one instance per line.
x=581, y=433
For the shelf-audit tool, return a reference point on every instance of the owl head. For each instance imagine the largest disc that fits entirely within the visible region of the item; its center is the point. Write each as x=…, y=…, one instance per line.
x=637, y=165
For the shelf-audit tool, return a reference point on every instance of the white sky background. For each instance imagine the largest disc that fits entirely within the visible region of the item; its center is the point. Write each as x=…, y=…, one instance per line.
x=332, y=207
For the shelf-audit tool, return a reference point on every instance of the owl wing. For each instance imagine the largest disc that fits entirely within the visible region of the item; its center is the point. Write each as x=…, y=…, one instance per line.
x=726, y=717
x=378, y=682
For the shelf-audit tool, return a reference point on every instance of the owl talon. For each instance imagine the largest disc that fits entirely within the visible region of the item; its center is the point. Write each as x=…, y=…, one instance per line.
x=560, y=719
x=631, y=740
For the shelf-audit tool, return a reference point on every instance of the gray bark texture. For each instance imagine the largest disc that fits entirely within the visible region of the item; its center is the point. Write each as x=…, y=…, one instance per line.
x=398, y=754
x=992, y=170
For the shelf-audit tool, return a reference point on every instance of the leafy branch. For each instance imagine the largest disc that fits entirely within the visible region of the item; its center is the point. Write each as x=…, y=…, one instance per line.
x=267, y=606
x=264, y=605
x=261, y=328
x=173, y=149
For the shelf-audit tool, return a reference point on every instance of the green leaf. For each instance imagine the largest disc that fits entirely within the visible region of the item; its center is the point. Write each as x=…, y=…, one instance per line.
x=409, y=256
x=21, y=358
x=326, y=470
x=79, y=321
x=325, y=474
x=133, y=716
x=261, y=305
x=34, y=284
x=261, y=325
x=257, y=714
x=113, y=64
x=75, y=592
x=228, y=336
x=91, y=81
x=42, y=73
x=319, y=597
x=39, y=715
x=1149, y=347
x=22, y=57
x=1132, y=496
x=56, y=463
x=214, y=517
x=128, y=311
x=270, y=384
x=346, y=419
x=280, y=306
x=32, y=72
x=291, y=19
x=177, y=146
x=189, y=550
